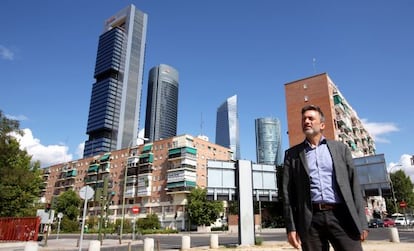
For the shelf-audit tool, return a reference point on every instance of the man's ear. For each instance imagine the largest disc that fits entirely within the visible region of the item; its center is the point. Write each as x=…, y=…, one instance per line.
x=322, y=125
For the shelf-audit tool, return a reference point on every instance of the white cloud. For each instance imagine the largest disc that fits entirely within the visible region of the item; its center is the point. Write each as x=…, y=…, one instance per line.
x=47, y=155
x=79, y=150
x=378, y=129
x=6, y=53
x=404, y=164
x=18, y=117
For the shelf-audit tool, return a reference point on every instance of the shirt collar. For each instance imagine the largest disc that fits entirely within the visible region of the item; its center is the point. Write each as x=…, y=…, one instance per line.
x=308, y=145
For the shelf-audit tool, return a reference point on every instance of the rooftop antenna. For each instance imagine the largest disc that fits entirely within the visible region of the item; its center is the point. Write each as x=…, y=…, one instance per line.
x=314, y=65
x=201, y=124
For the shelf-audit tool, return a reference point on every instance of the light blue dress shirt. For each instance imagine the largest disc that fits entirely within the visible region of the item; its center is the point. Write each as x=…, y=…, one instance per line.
x=323, y=184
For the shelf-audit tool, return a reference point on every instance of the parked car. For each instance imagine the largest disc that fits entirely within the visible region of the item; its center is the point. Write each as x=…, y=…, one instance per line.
x=388, y=222
x=401, y=221
x=375, y=223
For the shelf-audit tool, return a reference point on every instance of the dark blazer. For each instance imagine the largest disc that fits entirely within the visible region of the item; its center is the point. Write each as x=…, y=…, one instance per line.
x=296, y=188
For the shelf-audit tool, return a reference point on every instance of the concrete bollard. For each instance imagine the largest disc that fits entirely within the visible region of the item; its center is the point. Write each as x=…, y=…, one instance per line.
x=214, y=241
x=94, y=246
x=148, y=244
x=394, y=236
x=31, y=246
x=185, y=242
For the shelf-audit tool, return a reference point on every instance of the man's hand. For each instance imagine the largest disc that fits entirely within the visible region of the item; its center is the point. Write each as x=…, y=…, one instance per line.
x=364, y=235
x=294, y=240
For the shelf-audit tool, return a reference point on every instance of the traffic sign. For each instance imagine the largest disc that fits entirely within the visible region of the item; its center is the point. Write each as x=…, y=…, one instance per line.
x=86, y=192
x=403, y=204
x=135, y=209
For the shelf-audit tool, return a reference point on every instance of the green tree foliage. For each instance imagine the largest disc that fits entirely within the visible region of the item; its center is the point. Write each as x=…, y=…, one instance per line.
x=202, y=211
x=20, y=178
x=68, y=203
x=149, y=222
x=403, y=188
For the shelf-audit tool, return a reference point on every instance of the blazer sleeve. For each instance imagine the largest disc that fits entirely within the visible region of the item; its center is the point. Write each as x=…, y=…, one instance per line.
x=287, y=189
x=356, y=190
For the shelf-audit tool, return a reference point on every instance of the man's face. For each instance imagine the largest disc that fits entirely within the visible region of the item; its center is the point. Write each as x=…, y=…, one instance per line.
x=311, y=123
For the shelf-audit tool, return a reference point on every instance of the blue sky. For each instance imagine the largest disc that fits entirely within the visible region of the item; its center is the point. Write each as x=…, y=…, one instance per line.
x=220, y=48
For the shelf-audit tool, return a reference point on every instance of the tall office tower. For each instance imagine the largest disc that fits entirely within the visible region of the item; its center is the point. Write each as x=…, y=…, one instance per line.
x=162, y=103
x=227, y=126
x=268, y=141
x=116, y=95
x=341, y=120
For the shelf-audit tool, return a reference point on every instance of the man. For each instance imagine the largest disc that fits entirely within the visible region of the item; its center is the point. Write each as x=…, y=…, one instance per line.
x=323, y=203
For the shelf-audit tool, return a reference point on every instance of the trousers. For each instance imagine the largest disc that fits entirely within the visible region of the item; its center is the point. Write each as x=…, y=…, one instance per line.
x=332, y=227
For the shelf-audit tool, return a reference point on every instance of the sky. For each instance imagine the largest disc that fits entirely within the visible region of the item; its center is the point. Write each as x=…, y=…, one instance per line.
x=248, y=48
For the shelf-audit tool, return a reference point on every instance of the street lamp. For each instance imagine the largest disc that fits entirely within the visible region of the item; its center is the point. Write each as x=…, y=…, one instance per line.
x=125, y=182
x=392, y=188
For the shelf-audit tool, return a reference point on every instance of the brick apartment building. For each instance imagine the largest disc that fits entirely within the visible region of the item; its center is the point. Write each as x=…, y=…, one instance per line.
x=159, y=176
x=342, y=122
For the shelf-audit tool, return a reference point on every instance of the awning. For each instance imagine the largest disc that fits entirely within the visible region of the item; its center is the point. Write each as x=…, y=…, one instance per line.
x=93, y=168
x=71, y=173
x=181, y=184
x=147, y=148
x=174, y=151
x=105, y=157
x=191, y=150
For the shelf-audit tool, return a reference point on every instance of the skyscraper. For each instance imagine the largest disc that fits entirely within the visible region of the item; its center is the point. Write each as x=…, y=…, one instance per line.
x=268, y=141
x=227, y=126
x=116, y=94
x=162, y=103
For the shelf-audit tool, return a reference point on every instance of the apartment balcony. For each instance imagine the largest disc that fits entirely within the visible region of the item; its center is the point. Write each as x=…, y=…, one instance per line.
x=145, y=168
x=93, y=169
x=133, y=161
x=46, y=173
x=71, y=174
x=180, y=187
x=182, y=164
x=91, y=180
x=105, y=168
x=144, y=192
x=130, y=191
x=68, y=185
x=181, y=180
x=146, y=158
x=182, y=153
x=105, y=158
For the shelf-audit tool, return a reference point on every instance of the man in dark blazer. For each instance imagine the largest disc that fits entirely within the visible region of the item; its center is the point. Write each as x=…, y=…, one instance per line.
x=323, y=203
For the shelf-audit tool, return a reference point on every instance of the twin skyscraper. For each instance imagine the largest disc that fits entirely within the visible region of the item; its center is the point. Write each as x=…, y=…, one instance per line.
x=114, y=112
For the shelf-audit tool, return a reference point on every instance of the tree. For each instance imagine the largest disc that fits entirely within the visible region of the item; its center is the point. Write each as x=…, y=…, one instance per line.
x=202, y=211
x=69, y=203
x=149, y=222
x=20, y=178
x=403, y=188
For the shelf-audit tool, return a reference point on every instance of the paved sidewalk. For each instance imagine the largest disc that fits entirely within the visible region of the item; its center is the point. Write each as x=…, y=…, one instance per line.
x=70, y=244
x=64, y=244
x=283, y=246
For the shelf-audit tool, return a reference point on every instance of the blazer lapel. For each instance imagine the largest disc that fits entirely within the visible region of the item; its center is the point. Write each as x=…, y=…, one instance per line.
x=302, y=157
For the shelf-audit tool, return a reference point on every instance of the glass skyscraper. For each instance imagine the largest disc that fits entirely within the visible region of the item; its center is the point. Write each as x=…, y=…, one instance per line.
x=227, y=126
x=116, y=94
x=268, y=141
x=162, y=103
